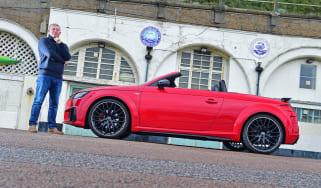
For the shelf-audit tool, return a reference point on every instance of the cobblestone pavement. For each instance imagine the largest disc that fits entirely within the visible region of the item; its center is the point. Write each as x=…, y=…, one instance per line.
x=45, y=160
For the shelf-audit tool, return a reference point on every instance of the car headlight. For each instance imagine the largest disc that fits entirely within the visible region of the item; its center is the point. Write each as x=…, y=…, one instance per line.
x=80, y=95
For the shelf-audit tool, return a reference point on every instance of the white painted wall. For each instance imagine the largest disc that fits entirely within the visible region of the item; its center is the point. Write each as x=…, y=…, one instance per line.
x=13, y=109
x=288, y=75
x=284, y=82
x=10, y=98
x=79, y=27
x=309, y=138
x=26, y=101
x=281, y=65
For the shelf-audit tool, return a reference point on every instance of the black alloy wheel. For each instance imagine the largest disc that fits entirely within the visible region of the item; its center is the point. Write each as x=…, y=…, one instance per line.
x=109, y=118
x=262, y=134
x=234, y=146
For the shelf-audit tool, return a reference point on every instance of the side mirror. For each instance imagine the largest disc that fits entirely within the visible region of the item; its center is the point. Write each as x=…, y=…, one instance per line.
x=163, y=83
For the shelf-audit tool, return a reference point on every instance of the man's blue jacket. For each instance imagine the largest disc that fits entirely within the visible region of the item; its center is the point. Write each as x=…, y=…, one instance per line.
x=52, y=57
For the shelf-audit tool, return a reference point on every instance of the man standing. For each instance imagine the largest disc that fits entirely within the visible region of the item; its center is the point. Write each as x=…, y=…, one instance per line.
x=54, y=54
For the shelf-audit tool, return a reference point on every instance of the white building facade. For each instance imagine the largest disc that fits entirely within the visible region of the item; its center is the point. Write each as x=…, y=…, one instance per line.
x=107, y=50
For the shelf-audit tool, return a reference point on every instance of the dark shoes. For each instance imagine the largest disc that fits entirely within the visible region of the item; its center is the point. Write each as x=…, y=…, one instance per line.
x=33, y=129
x=55, y=131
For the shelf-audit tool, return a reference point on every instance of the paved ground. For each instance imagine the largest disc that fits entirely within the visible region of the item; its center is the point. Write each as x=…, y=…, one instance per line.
x=45, y=160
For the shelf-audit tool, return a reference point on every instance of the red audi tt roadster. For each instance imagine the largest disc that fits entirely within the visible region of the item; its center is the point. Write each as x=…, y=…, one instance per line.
x=158, y=107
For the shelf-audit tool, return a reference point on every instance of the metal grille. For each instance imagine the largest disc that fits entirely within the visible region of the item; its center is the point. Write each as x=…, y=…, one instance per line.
x=98, y=63
x=91, y=62
x=71, y=68
x=126, y=73
x=14, y=47
x=200, y=71
x=107, y=64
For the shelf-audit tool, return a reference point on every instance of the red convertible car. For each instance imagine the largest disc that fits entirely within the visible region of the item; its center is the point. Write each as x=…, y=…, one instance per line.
x=158, y=107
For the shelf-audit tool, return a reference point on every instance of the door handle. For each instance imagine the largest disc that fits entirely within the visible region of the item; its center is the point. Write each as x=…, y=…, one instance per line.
x=211, y=101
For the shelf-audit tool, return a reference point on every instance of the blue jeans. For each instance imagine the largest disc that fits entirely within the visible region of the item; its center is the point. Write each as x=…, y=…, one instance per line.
x=44, y=84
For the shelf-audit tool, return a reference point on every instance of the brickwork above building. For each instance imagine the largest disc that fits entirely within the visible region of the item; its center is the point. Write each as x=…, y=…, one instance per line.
x=32, y=13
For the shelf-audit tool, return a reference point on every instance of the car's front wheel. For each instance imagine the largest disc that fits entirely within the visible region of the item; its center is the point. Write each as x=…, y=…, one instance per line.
x=109, y=118
x=262, y=133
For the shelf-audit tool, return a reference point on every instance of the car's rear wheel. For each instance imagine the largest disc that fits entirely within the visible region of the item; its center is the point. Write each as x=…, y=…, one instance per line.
x=109, y=118
x=262, y=133
x=234, y=146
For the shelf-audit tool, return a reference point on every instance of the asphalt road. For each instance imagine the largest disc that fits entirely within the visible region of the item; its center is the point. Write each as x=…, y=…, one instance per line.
x=45, y=160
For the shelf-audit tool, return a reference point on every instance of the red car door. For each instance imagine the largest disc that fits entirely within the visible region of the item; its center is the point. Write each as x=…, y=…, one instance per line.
x=178, y=108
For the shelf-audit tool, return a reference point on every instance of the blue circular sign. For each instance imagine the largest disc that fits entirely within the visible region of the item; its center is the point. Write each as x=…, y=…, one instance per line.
x=150, y=36
x=260, y=48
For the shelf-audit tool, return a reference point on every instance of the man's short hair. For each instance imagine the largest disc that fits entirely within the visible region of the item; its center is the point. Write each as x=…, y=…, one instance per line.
x=53, y=24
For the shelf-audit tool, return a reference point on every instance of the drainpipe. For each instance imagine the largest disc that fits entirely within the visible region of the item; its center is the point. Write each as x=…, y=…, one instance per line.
x=148, y=57
x=258, y=69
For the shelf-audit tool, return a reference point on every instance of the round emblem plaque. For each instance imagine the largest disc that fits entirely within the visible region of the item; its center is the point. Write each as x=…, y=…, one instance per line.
x=150, y=36
x=260, y=48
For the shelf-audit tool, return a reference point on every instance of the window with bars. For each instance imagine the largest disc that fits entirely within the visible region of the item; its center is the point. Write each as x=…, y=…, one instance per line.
x=200, y=70
x=14, y=47
x=308, y=76
x=308, y=115
x=125, y=72
x=107, y=64
x=91, y=62
x=100, y=63
x=71, y=68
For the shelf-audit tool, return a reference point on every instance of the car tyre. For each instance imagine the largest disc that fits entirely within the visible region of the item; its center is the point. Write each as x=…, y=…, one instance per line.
x=234, y=146
x=262, y=133
x=109, y=118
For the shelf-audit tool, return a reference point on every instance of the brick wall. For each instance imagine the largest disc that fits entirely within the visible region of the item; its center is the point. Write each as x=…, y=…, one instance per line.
x=31, y=13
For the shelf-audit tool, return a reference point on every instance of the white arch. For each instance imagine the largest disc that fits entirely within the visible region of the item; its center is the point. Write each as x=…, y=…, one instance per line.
x=23, y=33
x=287, y=56
x=81, y=43
x=226, y=53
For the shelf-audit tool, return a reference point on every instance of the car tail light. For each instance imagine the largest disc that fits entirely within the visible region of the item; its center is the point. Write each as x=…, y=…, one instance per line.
x=287, y=107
